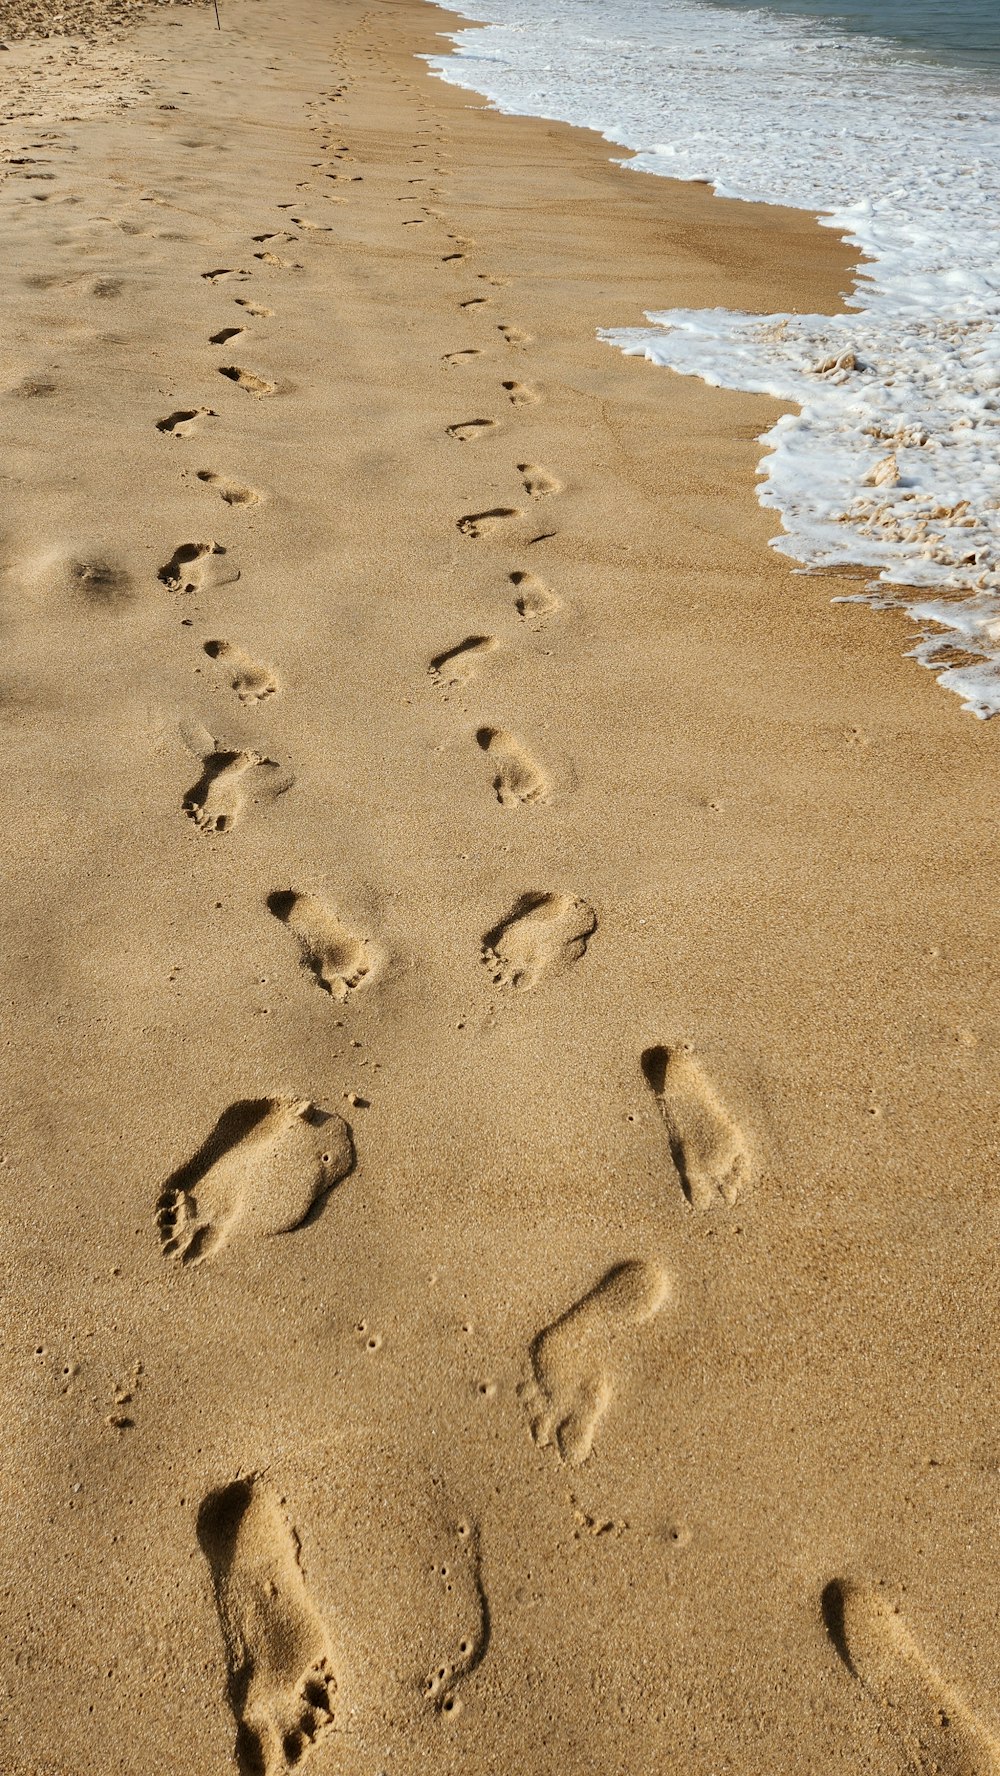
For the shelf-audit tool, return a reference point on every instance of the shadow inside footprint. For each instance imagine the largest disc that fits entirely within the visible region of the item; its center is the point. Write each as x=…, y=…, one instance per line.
x=278, y=1655
x=942, y=1734
x=339, y=959
x=573, y=1360
x=707, y=1145
x=267, y=1163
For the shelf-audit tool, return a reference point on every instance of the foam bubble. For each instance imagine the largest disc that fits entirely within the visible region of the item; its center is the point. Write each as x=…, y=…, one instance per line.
x=892, y=460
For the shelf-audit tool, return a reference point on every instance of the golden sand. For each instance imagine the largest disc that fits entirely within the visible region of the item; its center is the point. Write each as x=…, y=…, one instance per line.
x=500, y=1010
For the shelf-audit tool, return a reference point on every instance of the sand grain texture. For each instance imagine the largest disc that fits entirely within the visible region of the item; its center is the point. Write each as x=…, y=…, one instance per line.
x=500, y=1059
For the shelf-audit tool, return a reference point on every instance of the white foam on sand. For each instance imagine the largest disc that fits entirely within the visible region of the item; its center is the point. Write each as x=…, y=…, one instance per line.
x=893, y=458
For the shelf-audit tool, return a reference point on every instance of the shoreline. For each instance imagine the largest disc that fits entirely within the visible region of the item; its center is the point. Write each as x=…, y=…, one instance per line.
x=393, y=807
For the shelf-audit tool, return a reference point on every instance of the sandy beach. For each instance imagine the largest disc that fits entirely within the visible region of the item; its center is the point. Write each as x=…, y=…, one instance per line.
x=500, y=1049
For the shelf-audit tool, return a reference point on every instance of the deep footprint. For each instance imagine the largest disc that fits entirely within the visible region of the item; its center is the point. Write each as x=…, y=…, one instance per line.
x=537, y=481
x=707, y=1146
x=339, y=958
x=278, y=1655
x=185, y=421
x=195, y=566
x=217, y=800
x=941, y=1733
x=264, y=1166
x=573, y=1361
x=468, y=430
x=250, y=679
x=457, y=665
x=517, y=780
x=534, y=601
x=542, y=935
x=477, y=524
x=230, y=491
x=248, y=380
x=519, y=394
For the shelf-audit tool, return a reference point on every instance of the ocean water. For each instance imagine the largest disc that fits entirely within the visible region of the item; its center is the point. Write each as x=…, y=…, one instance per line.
x=954, y=32
x=892, y=459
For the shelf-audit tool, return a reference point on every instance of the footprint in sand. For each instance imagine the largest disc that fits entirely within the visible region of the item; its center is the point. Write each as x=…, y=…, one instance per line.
x=457, y=665
x=455, y=359
x=250, y=679
x=248, y=380
x=477, y=524
x=468, y=430
x=452, y=258
x=185, y=421
x=706, y=1145
x=574, y=1360
x=339, y=958
x=225, y=334
x=264, y=1166
x=256, y=309
x=281, y=1682
x=275, y=260
x=534, y=601
x=538, y=482
x=542, y=935
x=193, y=567
x=942, y=1735
x=514, y=335
x=224, y=271
x=517, y=779
x=230, y=491
x=217, y=800
x=519, y=393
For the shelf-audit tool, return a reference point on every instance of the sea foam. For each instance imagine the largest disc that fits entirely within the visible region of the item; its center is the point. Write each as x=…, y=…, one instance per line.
x=893, y=459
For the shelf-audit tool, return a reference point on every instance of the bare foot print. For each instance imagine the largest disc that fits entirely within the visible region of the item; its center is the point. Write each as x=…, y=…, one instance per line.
x=707, y=1146
x=224, y=273
x=195, y=566
x=455, y=359
x=339, y=958
x=477, y=524
x=574, y=1360
x=250, y=679
x=514, y=335
x=185, y=421
x=542, y=935
x=230, y=491
x=263, y=1167
x=519, y=394
x=942, y=1735
x=534, y=602
x=217, y=800
x=537, y=481
x=248, y=380
x=257, y=309
x=468, y=430
x=281, y=1682
x=517, y=779
x=225, y=334
x=457, y=665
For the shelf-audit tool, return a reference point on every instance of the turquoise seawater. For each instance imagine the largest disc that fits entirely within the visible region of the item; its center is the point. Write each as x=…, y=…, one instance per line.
x=964, y=33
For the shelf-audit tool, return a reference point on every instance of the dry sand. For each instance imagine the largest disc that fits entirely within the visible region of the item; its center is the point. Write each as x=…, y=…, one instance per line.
x=501, y=1009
